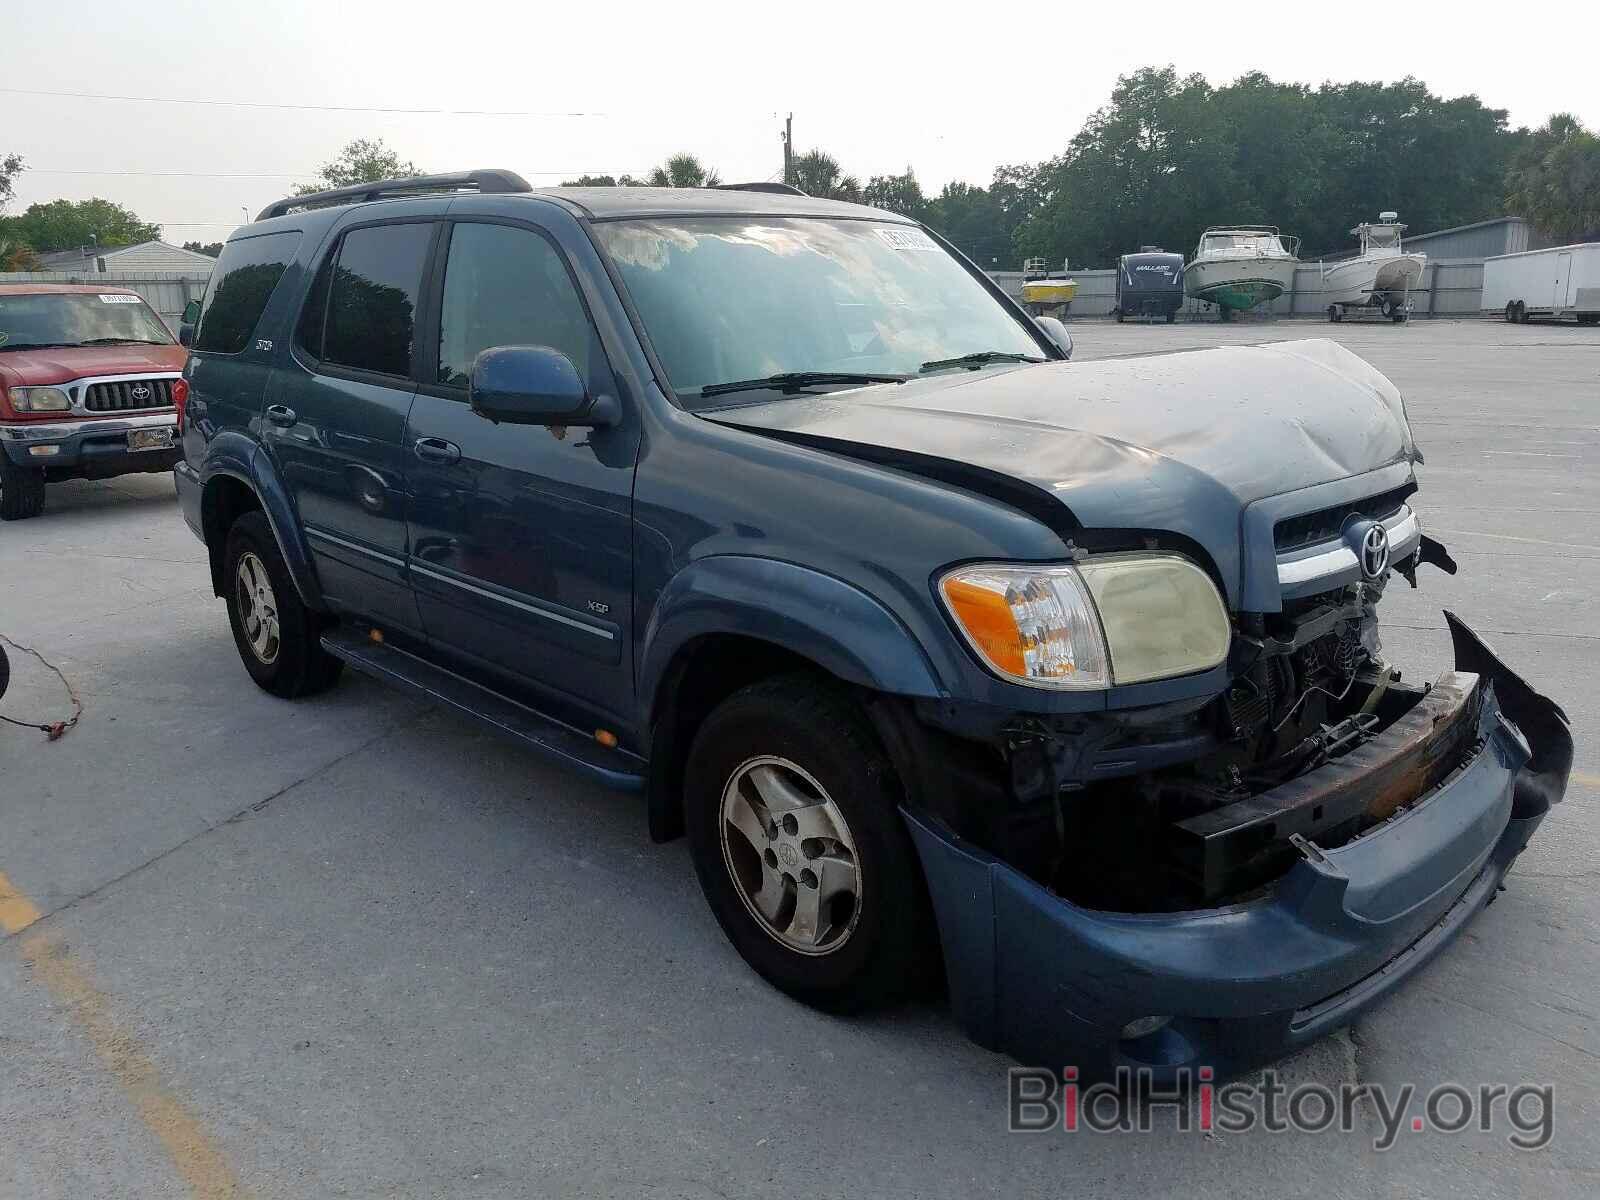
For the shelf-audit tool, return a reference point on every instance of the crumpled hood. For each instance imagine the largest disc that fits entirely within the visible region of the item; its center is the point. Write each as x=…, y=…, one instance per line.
x=1179, y=442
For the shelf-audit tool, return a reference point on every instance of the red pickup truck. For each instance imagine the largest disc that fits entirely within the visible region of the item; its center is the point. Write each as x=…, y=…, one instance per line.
x=90, y=387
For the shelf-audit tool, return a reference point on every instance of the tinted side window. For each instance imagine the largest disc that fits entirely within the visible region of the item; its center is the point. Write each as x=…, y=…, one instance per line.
x=372, y=301
x=241, y=284
x=509, y=287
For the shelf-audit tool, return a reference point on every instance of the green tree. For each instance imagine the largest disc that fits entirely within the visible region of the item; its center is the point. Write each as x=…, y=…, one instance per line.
x=683, y=171
x=10, y=168
x=1169, y=155
x=212, y=249
x=603, y=181
x=896, y=193
x=68, y=224
x=361, y=161
x=817, y=173
x=972, y=219
x=1554, y=180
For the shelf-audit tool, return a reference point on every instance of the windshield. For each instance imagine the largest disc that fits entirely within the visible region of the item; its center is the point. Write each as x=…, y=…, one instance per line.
x=743, y=298
x=77, y=319
x=1254, y=243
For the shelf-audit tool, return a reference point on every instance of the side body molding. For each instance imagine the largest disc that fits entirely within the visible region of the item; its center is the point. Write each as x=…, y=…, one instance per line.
x=831, y=622
x=233, y=454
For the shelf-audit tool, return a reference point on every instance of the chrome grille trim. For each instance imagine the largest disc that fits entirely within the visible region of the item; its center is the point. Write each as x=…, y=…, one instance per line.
x=1333, y=564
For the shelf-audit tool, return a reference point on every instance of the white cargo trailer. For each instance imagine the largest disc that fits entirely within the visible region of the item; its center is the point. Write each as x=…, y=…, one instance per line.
x=1563, y=281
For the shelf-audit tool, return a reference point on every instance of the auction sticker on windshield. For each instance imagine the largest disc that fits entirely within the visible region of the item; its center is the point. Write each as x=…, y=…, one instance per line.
x=908, y=239
x=105, y=299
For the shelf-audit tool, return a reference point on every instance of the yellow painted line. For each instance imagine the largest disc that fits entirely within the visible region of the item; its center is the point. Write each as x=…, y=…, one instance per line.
x=197, y=1159
x=16, y=910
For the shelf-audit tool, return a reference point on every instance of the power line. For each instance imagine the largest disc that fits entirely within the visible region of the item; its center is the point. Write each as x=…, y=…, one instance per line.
x=304, y=174
x=349, y=108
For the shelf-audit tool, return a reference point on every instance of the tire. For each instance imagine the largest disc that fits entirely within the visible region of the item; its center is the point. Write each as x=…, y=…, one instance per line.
x=1118, y=313
x=1511, y=312
x=21, y=491
x=1335, y=313
x=289, y=661
x=1522, y=313
x=812, y=753
x=1171, y=317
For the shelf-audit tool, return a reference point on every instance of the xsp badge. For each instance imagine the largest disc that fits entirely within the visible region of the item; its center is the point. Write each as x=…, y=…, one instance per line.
x=596, y=607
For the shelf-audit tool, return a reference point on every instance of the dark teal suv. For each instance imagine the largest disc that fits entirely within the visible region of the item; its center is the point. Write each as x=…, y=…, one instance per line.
x=949, y=655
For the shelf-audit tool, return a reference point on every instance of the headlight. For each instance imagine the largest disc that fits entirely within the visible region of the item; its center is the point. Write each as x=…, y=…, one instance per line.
x=39, y=399
x=1119, y=619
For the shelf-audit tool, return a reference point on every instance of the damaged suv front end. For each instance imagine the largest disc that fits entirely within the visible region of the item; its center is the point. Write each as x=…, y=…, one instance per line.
x=1218, y=822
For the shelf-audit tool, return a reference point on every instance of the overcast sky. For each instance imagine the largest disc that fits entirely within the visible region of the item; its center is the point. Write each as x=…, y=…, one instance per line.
x=949, y=91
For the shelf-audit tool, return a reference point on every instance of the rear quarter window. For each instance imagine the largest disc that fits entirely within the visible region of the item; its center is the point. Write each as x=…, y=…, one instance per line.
x=244, y=279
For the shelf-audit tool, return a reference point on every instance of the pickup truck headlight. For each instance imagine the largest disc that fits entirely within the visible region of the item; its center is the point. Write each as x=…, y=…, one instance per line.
x=1112, y=620
x=39, y=399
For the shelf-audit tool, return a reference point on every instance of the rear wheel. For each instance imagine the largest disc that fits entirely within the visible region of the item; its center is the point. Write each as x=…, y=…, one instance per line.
x=800, y=848
x=1335, y=313
x=21, y=491
x=278, y=637
x=1511, y=311
x=1521, y=317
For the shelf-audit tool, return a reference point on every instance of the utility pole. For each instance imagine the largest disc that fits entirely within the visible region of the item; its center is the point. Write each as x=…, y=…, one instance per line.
x=788, y=149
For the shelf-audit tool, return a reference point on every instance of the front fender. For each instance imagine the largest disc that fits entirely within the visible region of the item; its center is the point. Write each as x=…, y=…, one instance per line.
x=835, y=624
x=234, y=455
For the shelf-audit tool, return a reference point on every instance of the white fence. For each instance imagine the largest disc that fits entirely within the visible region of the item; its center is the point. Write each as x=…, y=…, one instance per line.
x=1449, y=288
x=165, y=291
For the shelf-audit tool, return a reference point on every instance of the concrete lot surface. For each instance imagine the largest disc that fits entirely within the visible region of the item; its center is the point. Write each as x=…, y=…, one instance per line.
x=355, y=947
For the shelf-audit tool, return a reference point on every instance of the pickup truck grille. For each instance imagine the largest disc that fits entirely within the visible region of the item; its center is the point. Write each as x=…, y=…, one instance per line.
x=1325, y=525
x=123, y=395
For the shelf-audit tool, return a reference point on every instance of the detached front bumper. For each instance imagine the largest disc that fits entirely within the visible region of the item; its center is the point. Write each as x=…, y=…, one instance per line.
x=93, y=448
x=1054, y=984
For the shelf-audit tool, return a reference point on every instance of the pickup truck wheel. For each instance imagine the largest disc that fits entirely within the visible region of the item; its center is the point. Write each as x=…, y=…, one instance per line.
x=796, y=838
x=279, y=639
x=21, y=491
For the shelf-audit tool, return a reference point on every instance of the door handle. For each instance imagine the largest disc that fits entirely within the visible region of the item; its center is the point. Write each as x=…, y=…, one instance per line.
x=437, y=450
x=280, y=414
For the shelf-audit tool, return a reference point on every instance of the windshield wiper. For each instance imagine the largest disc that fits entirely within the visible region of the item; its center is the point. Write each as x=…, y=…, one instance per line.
x=117, y=341
x=39, y=345
x=790, y=381
x=981, y=358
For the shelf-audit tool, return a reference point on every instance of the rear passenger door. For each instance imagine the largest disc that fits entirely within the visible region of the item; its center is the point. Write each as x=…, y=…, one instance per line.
x=521, y=535
x=335, y=419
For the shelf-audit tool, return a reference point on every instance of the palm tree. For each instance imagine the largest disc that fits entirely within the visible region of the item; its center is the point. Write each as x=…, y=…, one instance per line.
x=685, y=171
x=817, y=173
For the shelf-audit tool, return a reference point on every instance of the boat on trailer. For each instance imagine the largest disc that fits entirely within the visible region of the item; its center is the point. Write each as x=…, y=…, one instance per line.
x=1380, y=277
x=1237, y=267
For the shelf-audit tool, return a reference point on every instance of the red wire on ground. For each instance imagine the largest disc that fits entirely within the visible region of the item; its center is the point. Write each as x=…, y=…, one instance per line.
x=53, y=729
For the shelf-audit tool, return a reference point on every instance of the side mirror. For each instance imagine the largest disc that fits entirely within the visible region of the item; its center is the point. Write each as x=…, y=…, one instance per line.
x=187, y=322
x=1057, y=333
x=534, y=385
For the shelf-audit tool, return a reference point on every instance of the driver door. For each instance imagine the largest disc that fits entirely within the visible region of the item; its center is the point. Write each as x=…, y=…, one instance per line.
x=521, y=535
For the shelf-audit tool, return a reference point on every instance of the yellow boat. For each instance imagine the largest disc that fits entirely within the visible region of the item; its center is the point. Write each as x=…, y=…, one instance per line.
x=1049, y=291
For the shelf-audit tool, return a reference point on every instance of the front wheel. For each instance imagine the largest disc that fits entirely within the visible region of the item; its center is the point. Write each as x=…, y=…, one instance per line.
x=21, y=491
x=800, y=848
x=278, y=637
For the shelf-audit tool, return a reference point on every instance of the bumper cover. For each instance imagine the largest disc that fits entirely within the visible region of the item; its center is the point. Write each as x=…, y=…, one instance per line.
x=96, y=447
x=1053, y=984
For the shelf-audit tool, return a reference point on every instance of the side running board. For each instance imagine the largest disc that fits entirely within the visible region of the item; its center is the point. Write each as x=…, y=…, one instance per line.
x=560, y=743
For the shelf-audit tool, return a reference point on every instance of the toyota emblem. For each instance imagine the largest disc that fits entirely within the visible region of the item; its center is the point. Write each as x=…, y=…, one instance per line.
x=139, y=392
x=1375, y=552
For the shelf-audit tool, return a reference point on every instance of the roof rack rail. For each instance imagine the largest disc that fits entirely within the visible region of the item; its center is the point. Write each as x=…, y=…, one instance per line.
x=488, y=181
x=777, y=189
